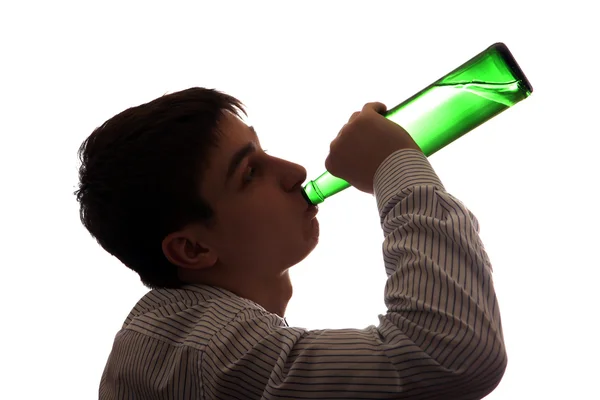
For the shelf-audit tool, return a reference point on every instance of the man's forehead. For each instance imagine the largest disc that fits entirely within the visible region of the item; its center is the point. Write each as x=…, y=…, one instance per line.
x=236, y=127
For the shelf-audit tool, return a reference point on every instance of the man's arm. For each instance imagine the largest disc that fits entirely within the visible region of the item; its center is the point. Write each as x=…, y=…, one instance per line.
x=440, y=339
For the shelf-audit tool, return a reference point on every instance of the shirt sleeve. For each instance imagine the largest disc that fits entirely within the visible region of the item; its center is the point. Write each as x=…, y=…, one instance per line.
x=441, y=337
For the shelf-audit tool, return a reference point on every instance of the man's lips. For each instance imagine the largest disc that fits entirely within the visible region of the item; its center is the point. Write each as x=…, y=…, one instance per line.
x=312, y=210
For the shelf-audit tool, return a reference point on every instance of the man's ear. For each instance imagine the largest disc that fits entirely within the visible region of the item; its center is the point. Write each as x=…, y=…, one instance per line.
x=185, y=250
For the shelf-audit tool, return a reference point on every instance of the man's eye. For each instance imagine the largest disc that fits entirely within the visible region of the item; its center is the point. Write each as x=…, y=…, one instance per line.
x=248, y=177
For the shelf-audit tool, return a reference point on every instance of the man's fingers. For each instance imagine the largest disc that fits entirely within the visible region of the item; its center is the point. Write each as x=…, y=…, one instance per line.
x=378, y=107
x=353, y=116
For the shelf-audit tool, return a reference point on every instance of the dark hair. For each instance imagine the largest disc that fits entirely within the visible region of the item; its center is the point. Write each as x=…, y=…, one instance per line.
x=140, y=176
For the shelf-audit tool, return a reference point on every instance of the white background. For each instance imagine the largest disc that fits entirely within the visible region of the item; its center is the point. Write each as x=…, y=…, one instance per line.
x=530, y=175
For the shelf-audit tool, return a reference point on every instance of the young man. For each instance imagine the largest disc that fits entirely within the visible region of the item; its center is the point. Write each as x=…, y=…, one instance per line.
x=181, y=191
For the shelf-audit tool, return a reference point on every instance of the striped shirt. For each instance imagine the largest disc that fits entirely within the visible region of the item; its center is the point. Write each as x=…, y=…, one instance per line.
x=441, y=337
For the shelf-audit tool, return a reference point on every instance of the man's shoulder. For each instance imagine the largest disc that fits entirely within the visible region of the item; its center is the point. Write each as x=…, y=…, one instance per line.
x=190, y=315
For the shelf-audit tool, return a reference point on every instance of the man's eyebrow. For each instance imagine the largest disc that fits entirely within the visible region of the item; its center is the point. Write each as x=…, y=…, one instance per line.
x=239, y=156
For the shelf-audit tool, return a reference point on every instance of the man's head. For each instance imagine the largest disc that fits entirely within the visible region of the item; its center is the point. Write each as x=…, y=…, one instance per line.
x=159, y=190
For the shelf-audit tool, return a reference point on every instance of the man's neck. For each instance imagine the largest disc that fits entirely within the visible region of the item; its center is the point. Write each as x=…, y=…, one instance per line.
x=272, y=294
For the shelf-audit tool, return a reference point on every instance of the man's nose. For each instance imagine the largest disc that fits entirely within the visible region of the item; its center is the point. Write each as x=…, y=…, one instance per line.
x=294, y=177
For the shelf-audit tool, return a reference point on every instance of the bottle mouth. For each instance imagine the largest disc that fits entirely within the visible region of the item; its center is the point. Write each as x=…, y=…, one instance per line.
x=306, y=198
x=312, y=194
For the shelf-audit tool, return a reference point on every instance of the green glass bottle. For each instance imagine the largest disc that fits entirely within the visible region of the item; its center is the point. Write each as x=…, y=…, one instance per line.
x=478, y=90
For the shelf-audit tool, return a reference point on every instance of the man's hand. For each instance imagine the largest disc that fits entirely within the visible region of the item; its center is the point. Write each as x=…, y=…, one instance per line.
x=363, y=144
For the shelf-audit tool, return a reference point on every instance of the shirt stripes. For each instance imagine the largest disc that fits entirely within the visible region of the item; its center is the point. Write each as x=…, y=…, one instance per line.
x=441, y=337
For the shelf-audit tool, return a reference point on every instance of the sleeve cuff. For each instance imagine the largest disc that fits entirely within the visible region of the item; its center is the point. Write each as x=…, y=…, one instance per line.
x=403, y=169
